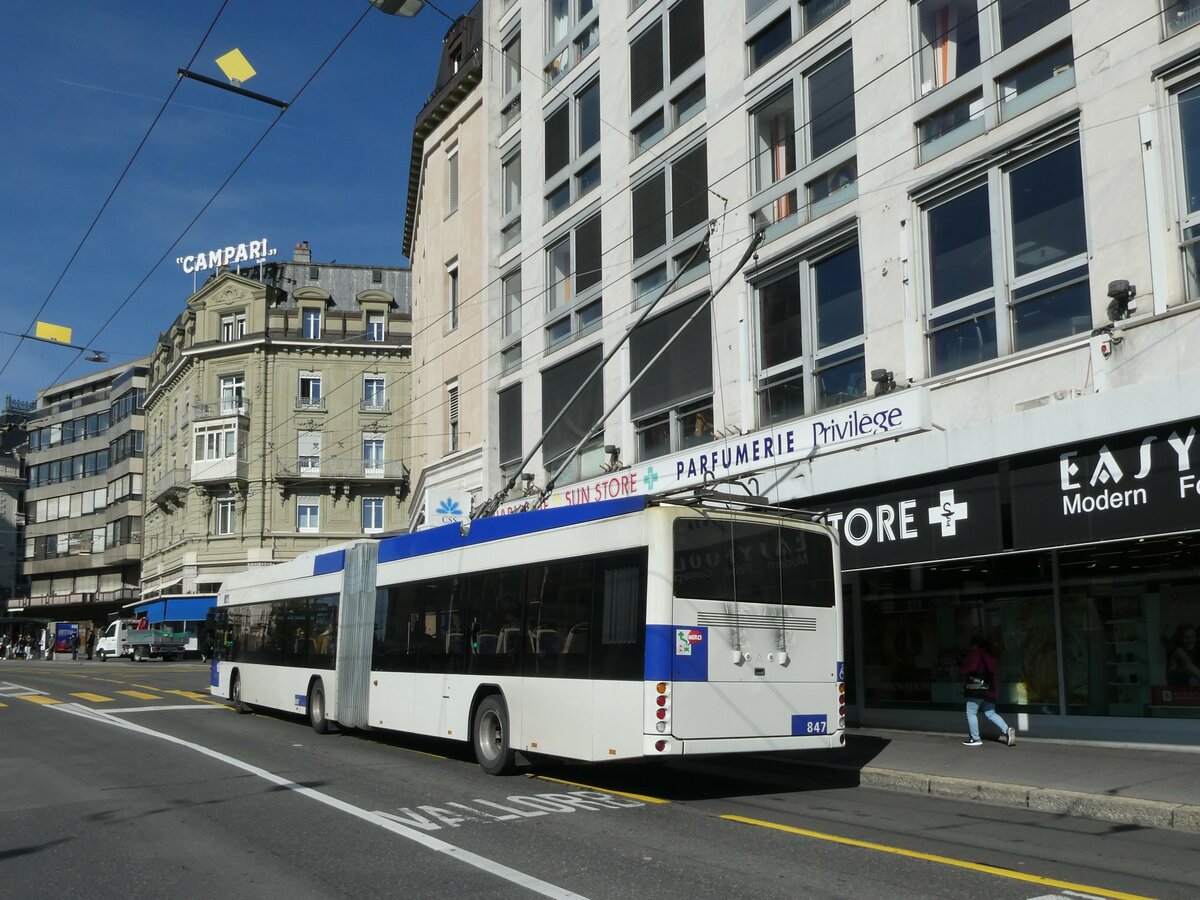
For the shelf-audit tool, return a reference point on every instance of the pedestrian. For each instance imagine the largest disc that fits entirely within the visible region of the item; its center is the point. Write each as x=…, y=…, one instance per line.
x=74, y=646
x=979, y=688
x=91, y=643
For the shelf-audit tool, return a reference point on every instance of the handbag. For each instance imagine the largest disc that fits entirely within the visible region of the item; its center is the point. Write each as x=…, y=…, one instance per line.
x=978, y=684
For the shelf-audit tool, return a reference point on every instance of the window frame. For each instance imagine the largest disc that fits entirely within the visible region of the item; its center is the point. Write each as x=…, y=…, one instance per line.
x=1175, y=85
x=452, y=296
x=225, y=511
x=314, y=401
x=579, y=159
x=452, y=185
x=1003, y=296
x=377, y=506
x=452, y=416
x=376, y=327
x=510, y=94
x=308, y=523
x=374, y=401
x=510, y=215
x=665, y=101
x=511, y=304
x=1190, y=8
x=580, y=301
x=565, y=54
x=233, y=327
x=311, y=319
x=762, y=15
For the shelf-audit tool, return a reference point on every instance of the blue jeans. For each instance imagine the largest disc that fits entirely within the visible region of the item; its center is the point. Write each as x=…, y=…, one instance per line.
x=989, y=710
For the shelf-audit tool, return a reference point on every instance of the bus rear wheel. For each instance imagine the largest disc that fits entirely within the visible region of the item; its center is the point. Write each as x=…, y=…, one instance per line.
x=491, y=737
x=316, y=708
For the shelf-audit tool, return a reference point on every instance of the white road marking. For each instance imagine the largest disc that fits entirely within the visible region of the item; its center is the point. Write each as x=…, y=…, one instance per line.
x=8, y=689
x=138, y=709
x=388, y=824
x=521, y=806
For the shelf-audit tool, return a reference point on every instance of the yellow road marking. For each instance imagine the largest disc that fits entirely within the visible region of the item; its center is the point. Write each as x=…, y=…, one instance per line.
x=943, y=860
x=191, y=695
x=140, y=695
x=95, y=698
x=37, y=698
x=604, y=790
x=2, y=705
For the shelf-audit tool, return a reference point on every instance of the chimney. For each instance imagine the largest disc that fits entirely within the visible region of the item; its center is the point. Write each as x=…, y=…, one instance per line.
x=302, y=254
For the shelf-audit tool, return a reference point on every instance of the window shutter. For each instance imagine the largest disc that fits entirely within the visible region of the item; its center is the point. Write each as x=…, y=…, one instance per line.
x=588, y=267
x=558, y=141
x=510, y=424
x=683, y=373
x=646, y=66
x=687, y=35
x=454, y=403
x=452, y=185
x=649, y=216
x=689, y=190
x=558, y=385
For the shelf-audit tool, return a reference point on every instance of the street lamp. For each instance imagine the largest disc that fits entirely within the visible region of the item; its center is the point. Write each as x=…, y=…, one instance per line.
x=399, y=7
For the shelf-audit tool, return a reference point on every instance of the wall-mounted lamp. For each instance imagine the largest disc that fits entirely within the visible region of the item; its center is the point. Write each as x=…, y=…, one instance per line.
x=1120, y=300
x=885, y=381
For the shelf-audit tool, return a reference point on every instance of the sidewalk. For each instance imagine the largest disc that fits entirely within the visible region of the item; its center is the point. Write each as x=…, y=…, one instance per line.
x=1158, y=788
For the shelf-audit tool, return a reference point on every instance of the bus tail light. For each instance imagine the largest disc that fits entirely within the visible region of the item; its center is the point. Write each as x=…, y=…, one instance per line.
x=660, y=746
x=662, y=701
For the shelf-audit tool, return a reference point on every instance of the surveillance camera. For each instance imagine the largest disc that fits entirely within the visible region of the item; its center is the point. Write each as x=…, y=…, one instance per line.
x=1121, y=290
x=1121, y=305
x=879, y=375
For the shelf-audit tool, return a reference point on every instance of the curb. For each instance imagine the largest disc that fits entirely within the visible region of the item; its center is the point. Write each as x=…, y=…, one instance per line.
x=1125, y=810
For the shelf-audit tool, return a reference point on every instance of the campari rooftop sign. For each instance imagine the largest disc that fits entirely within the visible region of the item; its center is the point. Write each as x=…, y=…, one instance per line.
x=884, y=418
x=203, y=260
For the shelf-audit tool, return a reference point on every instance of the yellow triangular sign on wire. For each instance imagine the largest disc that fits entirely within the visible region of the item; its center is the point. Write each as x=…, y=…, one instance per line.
x=235, y=66
x=48, y=332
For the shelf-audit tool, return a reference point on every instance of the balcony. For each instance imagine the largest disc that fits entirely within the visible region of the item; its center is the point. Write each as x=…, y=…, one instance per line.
x=308, y=404
x=222, y=409
x=229, y=468
x=374, y=405
x=340, y=469
x=170, y=487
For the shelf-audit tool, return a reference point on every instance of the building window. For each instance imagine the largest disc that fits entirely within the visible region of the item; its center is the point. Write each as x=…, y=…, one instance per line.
x=772, y=36
x=308, y=514
x=374, y=398
x=510, y=327
x=1186, y=107
x=559, y=384
x=510, y=200
x=312, y=324
x=372, y=454
x=573, y=261
x=509, y=443
x=1179, y=15
x=811, y=334
x=226, y=512
x=573, y=153
x=452, y=180
x=510, y=82
x=802, y=174
x=971, y=76
x=1037, y=292
x=572, y=32
x=452, y=296
x=671, y=405
x=233, y=394
x=670, y=217
x=666, y=82
x=233, y=327
x=377, y=276
x=310, y=396
x=308, y=445
x=452, y=417
x=372, y=514
x=376, y=326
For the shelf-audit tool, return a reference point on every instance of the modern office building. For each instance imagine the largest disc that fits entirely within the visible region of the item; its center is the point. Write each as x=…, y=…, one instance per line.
x=274, y=421
x=14, y=417
x=967, y=331
x=83, y=501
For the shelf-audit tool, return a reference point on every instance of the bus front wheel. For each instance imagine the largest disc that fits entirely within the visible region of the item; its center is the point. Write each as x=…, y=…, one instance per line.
x=235, y=694
x=491, y=736
x=316, y=708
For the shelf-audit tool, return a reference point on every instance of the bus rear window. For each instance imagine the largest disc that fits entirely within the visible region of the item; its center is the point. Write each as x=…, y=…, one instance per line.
x=752, y=562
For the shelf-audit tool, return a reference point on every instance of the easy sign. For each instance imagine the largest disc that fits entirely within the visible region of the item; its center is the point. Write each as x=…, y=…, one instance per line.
x=224, y=256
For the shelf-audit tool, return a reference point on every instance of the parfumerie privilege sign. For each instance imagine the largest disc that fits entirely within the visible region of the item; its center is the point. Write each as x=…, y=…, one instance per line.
x=253, y=251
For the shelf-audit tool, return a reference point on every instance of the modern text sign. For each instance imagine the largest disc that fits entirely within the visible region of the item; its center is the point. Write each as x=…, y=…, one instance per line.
x=253, y=251
x=883, y=418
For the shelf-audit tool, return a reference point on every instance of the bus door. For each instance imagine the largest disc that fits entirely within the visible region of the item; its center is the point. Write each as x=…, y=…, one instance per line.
x=755, y=627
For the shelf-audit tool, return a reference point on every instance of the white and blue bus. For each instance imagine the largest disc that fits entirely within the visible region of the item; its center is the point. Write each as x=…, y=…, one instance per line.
x=616, y=630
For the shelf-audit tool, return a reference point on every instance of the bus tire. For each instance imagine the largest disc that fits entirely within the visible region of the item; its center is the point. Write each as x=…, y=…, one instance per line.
x=235, y=694
x=490, y=735
x=316, y=708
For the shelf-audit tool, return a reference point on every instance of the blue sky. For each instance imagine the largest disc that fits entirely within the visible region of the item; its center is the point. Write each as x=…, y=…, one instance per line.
x=83, y=81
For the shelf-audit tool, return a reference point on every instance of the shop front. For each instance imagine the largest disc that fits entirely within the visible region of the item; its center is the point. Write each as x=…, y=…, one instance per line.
x=1080, y=564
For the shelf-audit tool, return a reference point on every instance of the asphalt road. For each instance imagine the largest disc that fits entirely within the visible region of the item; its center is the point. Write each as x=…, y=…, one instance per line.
x=125, y=779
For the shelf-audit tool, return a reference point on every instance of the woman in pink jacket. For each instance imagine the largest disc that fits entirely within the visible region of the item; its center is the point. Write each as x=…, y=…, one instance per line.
x=981, y=662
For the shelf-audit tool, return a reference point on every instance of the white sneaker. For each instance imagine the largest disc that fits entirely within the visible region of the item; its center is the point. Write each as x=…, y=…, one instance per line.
x=1011, y=736
x=972, y=743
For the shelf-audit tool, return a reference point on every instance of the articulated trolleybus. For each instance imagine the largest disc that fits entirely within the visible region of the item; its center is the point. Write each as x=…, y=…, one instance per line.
x=622, y=629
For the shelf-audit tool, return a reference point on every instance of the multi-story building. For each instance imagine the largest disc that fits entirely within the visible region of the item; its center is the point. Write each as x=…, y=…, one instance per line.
x=445, y=223
x=274, y=420
x=83, y=501
x=13, y=419
x=966, y=333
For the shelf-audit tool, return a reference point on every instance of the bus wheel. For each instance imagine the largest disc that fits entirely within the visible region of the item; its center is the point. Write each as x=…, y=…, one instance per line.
x=235, y=694
x=316, y=708
x=490, y=734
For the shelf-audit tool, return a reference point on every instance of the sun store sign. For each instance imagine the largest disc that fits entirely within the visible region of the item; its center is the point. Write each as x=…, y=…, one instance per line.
x=252, y=251
x=885, y=418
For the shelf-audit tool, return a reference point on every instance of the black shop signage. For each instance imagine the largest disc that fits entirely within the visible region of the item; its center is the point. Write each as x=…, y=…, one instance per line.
x=924, y=520
x=1127, y=485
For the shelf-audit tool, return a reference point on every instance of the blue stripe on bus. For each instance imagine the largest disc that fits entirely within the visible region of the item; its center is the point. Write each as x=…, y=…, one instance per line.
x=481, y=531
x=666, y=658
x=325, y=563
